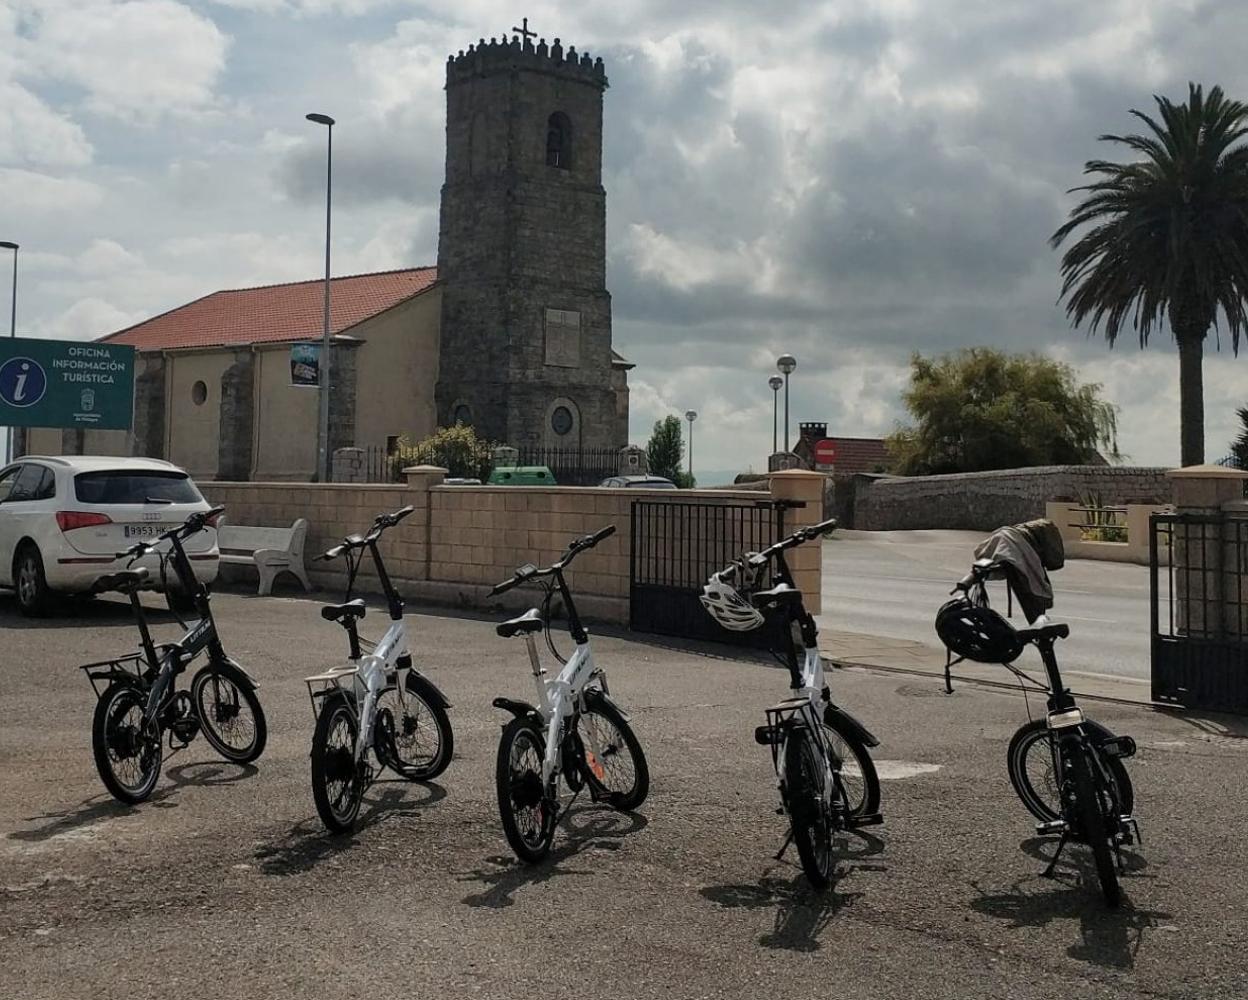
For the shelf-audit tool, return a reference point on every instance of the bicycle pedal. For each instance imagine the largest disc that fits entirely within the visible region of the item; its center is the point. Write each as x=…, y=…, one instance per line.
x=1050, y=827
x=868, y=819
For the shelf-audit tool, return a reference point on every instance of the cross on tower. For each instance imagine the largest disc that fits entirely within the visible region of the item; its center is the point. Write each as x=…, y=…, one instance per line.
x=524, y=31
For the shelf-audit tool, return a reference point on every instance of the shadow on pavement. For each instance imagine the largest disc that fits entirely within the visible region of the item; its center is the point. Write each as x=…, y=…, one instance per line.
x=590, y=827
x=801, y=912
x=308, y=843
x=103, y=806
x=1110, y=938
x=80, y=612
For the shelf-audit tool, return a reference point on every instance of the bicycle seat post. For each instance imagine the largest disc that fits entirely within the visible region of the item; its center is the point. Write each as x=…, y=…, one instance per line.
x=534, y=660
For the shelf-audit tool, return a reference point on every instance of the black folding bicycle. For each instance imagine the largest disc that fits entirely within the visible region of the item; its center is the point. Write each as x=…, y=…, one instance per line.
x=1067, y=769
x=138, y=701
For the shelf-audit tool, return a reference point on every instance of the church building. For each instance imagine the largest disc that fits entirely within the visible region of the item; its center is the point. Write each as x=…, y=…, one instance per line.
x=510, y=332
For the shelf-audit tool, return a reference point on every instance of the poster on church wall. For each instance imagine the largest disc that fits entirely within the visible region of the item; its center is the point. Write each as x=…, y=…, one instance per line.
x=305, y=365
x=66, y=383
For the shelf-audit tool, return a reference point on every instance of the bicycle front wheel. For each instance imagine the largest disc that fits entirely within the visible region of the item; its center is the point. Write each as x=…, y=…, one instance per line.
x=858, y=776
x=337, y=785
x=1030, y=759
x=804, y=776
x=414, y=736
x=127, y=754
x=229, y=713
x=1094, y=825
x=528, y=818
x=617, y=772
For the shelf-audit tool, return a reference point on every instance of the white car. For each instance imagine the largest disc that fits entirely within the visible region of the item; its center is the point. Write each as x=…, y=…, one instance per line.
x=64, y=519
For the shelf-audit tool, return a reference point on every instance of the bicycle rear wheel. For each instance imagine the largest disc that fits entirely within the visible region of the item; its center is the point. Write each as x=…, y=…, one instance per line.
x=337, y=785
x=1030, y=762
x=127, y=754
x=1092, y=812
x=804, y=776
x=528, y=819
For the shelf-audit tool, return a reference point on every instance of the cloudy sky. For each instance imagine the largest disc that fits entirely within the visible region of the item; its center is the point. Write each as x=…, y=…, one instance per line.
x=845, y=181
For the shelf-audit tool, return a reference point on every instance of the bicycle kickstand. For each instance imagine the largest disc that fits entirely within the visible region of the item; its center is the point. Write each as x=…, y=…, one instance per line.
x=1061, y=845
x=785, y=846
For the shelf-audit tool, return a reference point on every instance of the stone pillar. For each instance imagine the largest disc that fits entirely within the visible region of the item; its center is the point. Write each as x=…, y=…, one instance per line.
x=1206, y=558
x=505, y=456
x=73, y=440
x=782, y=460
x=21, y=441
x=149, y=406
x=634, y=461
x=236, y=418
x=806, y=561
x=347, y=466
x=422, y=477
x=342, y=395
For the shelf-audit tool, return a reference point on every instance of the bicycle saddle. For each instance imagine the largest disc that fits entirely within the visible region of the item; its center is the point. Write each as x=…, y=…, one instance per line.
x=781, y=593
x=526, y=624
x=124, y=581
x=336, y=612
x=1059, y=631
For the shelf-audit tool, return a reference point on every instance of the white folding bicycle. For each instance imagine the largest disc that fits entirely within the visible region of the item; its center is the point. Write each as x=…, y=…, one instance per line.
x=820, y=752
x=376, y=701
x=575, y=731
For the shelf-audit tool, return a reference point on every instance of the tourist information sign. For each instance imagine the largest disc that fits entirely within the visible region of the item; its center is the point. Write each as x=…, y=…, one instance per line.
x=66, y=383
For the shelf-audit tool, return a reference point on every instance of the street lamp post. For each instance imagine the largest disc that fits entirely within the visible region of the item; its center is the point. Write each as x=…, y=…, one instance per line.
x=691, y=416
x=775, y=382
x=8, y=431
x=322, y=455
x=786, y=363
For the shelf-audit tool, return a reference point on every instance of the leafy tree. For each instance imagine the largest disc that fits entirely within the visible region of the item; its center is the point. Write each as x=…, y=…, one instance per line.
x=1239, y=449
x=666, y=448
x=456, y=449
x=1167, y=235
x=983, y=409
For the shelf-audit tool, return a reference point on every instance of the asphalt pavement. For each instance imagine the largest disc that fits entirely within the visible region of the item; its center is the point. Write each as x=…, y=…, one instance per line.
x=890, y=584
x=224, y=885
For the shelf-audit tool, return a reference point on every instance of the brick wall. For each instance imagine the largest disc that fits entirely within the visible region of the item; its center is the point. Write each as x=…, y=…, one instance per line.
x=460, y=540
x=983, y=501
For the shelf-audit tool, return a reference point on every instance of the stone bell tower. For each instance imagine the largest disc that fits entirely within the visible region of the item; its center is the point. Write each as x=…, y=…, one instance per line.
x=526, y=317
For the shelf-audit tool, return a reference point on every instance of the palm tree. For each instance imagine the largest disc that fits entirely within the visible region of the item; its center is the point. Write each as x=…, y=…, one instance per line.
x=1168, y=236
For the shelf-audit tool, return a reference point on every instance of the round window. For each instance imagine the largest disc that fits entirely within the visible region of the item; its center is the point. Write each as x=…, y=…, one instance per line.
x=561, y=420
x=463, y=414
x=199, y=393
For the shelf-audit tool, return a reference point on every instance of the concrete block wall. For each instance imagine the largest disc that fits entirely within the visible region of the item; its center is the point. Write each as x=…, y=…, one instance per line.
x=984, y=501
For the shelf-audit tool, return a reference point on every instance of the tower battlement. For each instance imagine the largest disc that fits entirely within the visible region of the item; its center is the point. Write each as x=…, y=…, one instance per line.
x=511, y=54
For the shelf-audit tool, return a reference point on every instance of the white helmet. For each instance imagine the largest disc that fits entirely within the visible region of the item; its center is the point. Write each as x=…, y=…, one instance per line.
x=728, y=607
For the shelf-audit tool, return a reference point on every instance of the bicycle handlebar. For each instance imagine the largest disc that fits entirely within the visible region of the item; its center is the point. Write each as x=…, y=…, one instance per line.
x=192, y=525
x=529, y=571
x=799, y=537
x=380, y=523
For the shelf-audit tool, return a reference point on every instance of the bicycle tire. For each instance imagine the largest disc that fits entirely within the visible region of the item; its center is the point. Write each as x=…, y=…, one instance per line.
x=858, y=803
x=214, y=718
x=595, y=771
x=803, y=801
x=528, y=820
x=1090, y=812
x=1045, y=804
x=334, y=766
x=122, y=705
x=405, y=730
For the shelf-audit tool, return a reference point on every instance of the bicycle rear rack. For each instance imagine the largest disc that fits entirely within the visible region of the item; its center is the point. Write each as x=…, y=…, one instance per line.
x=103, y=673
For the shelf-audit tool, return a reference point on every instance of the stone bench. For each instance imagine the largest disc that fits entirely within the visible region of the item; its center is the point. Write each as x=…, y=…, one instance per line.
x=271, y=550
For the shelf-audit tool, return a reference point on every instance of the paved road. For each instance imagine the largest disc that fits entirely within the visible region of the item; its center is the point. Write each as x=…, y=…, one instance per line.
x=224, y=885
x=890, y=583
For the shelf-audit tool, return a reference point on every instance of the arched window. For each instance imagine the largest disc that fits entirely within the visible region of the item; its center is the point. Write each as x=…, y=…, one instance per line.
x=559, y=141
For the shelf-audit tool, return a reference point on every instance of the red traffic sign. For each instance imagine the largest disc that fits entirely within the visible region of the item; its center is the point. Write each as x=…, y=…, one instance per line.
x=825, y=452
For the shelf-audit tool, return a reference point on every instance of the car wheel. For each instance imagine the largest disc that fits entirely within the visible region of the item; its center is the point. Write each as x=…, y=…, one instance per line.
x=34, y=598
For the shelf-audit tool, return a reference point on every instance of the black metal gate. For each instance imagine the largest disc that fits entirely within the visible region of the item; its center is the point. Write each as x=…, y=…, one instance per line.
x=1199, y=592
x=676, y=545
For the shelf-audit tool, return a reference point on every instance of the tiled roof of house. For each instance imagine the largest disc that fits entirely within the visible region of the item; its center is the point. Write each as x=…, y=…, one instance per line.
x=275, y=313
x=855, y=455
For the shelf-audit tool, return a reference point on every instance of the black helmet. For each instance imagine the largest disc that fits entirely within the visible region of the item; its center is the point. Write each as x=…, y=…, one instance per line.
x=977, y=633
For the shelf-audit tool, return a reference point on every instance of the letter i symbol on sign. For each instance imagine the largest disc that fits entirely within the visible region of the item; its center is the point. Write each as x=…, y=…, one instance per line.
x=19, y=390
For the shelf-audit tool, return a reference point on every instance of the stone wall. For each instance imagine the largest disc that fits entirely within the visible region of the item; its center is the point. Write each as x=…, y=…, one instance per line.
x=462, y=540
x=983, y=501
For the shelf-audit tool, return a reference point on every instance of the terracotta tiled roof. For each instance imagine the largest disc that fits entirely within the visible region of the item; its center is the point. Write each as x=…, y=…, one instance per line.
x=860, y=454
x=275, y=313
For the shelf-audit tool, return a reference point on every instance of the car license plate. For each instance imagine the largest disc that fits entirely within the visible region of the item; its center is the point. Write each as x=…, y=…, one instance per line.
x=146, y=530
